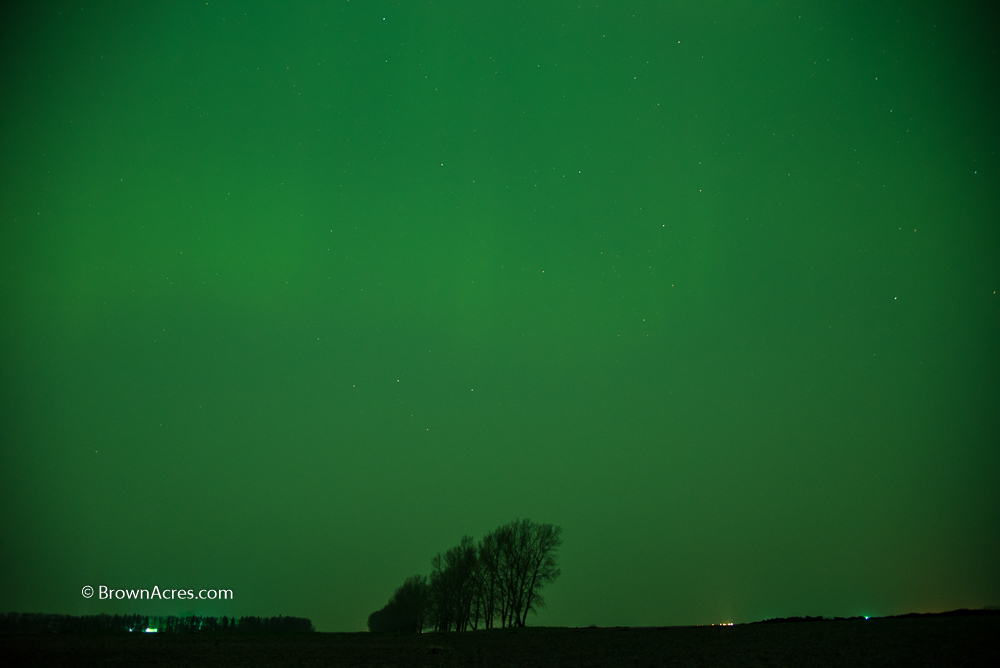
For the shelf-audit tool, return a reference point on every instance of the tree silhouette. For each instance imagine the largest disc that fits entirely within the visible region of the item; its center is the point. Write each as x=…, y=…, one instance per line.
x=517, y=560
x=497, y=582
x=453, y=586
x=490, y=591
x=538, y=564
x=406, y=610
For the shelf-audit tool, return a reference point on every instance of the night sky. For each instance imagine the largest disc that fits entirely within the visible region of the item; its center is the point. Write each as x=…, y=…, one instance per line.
x=295, y=295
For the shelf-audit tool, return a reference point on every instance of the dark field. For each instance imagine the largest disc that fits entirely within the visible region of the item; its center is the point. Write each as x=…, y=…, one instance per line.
x=966, y=641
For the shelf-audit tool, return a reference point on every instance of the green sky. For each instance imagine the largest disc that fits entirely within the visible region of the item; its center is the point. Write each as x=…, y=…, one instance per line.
x=294, y=295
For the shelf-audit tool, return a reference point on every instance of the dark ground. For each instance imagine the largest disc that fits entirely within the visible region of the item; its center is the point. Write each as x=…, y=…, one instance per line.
x=935, y=641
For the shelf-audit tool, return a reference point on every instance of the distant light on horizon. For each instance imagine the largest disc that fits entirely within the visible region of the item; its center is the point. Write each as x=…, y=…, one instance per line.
x=149, y=631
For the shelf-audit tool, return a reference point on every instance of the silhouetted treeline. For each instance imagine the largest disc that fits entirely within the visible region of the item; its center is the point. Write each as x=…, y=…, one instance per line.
x=988, y=611
x=963, y=612
x=496, y=582
x=36, y=622
x=792, y=620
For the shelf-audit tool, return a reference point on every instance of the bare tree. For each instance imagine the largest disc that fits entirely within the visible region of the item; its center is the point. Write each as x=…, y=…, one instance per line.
x=539, y=562
x=516, y=561
x=453, y=586
x=490, y=590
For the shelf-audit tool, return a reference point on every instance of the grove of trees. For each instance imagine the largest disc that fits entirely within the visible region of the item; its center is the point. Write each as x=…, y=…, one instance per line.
x=494, y=583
